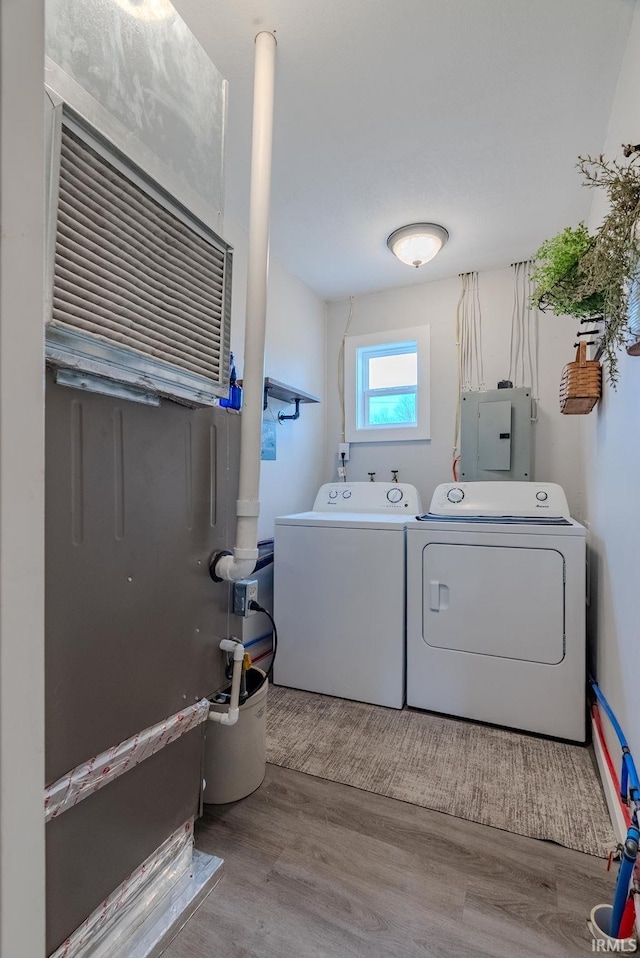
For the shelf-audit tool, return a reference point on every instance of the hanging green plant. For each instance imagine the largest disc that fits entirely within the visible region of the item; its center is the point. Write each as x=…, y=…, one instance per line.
x=591, y=276
x=610, y=267
x=558, y=278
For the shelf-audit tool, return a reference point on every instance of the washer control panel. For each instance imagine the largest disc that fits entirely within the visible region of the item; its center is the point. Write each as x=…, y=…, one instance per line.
x=369, y=497
x=516, y=499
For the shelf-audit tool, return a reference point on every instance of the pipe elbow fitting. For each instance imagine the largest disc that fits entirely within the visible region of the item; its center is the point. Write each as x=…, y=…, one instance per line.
x=236, y=648
x=230, y=717
x=227, y=567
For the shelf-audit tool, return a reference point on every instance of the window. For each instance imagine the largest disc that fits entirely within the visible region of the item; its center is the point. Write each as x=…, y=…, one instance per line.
x=387, y=386
x=388, y=380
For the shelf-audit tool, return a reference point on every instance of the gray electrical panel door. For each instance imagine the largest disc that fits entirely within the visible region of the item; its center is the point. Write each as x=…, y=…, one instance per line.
x=496, y=434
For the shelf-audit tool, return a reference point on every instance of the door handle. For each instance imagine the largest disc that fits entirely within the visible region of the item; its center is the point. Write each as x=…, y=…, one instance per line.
x=438, y=596
x=434, y=595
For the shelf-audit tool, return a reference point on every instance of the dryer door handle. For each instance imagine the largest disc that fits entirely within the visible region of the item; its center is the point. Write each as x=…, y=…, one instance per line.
x=438, y=596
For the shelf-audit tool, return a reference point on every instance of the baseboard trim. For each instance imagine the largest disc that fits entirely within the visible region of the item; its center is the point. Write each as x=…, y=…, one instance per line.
x=610, y=782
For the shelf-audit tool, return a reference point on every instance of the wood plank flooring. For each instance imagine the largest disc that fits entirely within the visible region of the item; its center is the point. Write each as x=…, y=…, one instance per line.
x=315, y=869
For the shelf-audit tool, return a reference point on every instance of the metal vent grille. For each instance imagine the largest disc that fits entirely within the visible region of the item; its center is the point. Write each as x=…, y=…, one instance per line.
x=133, y=273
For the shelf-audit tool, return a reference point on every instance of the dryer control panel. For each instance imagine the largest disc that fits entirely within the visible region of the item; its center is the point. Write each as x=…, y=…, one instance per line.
x=517, y=499
x=368, y=497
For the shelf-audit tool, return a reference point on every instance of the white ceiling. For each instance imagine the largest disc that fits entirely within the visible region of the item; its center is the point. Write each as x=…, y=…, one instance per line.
x=468, y=113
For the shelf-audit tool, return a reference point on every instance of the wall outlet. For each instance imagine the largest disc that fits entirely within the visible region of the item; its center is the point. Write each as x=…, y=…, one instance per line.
x=343, y=447
x=245, y=591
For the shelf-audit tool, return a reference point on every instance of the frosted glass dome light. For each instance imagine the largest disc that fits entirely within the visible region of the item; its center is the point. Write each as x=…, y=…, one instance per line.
x=149, y=10
x=418, y=243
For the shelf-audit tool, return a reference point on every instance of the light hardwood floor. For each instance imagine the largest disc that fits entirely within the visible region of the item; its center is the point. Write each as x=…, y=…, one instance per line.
x=314, y=869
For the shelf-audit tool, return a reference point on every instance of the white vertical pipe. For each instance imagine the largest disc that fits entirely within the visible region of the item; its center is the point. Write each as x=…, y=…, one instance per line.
x=245, y=552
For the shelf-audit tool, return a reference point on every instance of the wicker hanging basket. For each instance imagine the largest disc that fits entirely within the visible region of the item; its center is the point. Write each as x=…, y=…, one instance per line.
x=580, y=385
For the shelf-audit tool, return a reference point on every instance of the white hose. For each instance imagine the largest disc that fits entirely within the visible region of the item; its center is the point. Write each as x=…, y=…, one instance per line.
x=524, y=346
x=468, y=344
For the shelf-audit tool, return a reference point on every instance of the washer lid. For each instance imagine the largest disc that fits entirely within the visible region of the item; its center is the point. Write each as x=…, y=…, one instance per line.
x=393, y=522
x=510, y=500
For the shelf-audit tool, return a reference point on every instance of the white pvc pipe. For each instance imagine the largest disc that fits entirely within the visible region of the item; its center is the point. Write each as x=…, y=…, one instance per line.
x=245, y=553
x=230, y=717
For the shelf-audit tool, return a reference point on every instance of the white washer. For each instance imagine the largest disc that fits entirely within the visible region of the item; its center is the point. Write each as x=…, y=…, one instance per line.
x=339, y=592
x=496, y=607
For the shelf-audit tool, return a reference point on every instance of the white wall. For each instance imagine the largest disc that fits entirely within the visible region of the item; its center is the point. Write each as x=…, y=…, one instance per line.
x=295, y=355
x=612, y=443
x=425, y=464
x=21, y=480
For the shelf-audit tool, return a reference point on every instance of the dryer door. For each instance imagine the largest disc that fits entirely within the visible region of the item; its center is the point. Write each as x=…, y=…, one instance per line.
x=494, y=600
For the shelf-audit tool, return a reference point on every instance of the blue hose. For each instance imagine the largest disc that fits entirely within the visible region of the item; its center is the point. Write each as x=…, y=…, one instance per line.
x=630, y=792
x=628, y=860
x=629, y=782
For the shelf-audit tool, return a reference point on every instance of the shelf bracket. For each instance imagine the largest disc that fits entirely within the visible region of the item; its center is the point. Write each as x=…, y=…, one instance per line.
x=296, y=415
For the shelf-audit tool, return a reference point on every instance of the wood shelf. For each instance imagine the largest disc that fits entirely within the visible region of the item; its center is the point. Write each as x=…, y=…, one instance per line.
x=280, y=391
x=289, y=394
x=283, y=393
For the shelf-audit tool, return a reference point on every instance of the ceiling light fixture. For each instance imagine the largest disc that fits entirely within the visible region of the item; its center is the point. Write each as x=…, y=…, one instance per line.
x=416, y=244
x=149, y=10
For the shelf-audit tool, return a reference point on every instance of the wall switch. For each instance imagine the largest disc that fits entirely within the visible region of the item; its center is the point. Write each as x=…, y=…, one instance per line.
x=245, y=591
x=343, y=447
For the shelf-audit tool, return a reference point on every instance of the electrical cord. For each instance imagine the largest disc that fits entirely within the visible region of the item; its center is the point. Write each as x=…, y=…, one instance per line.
x=341, y=369
x=255, y=607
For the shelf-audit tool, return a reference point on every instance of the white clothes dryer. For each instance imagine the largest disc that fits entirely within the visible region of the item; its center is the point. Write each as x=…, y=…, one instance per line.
x=496, y=607
x=339, y=592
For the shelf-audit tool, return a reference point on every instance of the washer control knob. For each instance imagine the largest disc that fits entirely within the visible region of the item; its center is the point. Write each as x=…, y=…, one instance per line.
x=395, y=495
x=542, y=496
x=333, y=493
x=455, y=495
x=346, y=494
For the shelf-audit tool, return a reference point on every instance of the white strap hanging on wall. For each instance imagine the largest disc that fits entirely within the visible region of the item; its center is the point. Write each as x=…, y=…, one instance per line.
x=469, y=345
x=523, y=353
x=469, y=333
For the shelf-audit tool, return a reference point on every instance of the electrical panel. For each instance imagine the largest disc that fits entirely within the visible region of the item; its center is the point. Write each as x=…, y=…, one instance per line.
x=496, y=434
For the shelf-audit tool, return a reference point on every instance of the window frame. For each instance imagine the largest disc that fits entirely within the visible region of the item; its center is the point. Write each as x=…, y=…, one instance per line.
x=356, y=381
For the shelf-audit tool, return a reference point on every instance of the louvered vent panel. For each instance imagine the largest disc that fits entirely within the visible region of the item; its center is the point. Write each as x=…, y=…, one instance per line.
x=133, y=273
